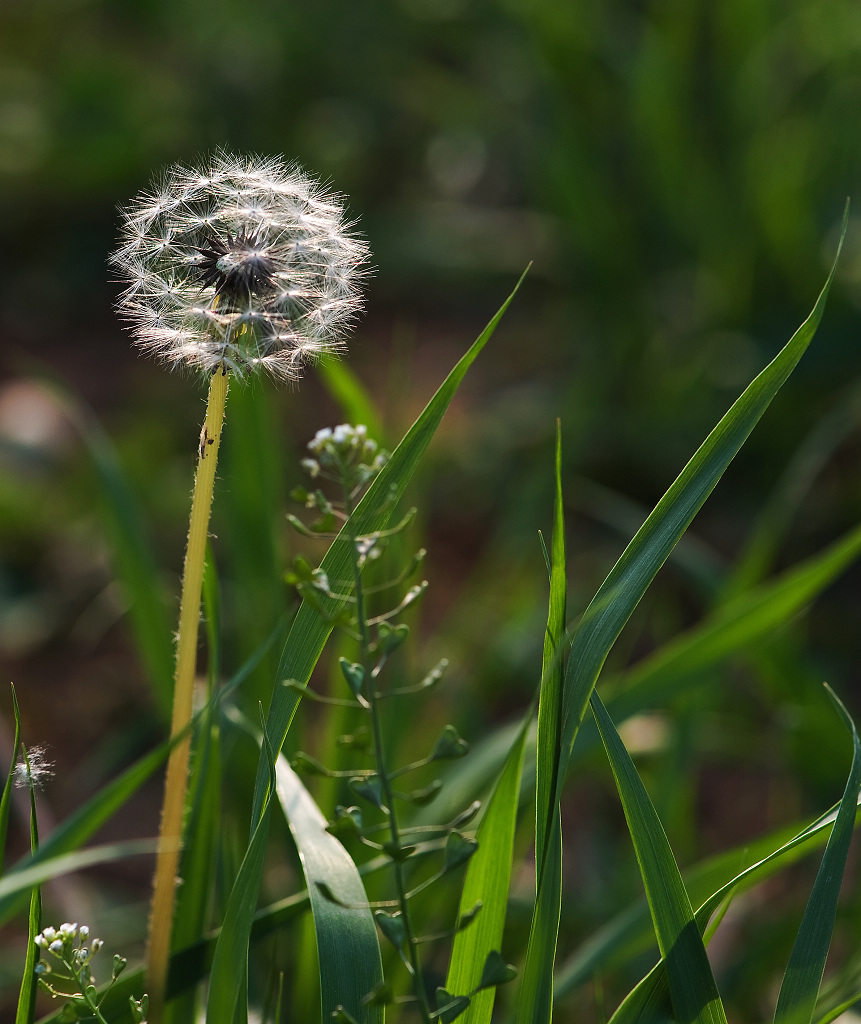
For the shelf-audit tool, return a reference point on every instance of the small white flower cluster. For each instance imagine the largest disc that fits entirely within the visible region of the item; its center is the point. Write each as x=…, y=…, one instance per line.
x=241, y=261
x=61, y=942
x=343, y=447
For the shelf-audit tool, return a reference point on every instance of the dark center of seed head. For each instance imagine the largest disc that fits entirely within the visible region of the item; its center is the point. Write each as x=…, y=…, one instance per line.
x=238, y=266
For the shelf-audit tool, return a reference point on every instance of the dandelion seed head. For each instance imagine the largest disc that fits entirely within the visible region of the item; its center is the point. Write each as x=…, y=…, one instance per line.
x=244, y=261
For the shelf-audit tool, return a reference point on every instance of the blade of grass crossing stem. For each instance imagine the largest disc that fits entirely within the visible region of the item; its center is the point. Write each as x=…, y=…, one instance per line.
x=488, y=876
x=629, y=579
x=353, y=400
x=797, y=999
x=310, y=629
x=27, y=995
x=6, y=799
x=692, y=986
x=347, y=943
x=535, y=996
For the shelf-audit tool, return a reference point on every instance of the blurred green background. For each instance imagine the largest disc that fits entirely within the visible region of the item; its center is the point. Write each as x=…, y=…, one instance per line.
x=676, y=172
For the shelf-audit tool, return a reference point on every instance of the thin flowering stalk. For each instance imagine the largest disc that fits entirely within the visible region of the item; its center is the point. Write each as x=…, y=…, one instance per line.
x=382, y=768
x=176, y=778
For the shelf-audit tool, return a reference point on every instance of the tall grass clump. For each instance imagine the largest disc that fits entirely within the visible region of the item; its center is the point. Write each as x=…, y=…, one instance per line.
x=408, y=850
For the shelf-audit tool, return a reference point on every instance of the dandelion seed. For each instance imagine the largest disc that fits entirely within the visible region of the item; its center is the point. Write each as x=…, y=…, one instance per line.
x=241, y=262
x=34, y=770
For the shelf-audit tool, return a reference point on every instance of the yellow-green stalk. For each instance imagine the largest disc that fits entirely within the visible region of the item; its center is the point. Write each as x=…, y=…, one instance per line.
x=176, y=779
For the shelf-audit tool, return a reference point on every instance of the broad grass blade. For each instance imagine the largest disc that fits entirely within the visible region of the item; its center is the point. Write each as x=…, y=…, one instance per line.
x=629, y=579
x=487, y=880
x=347, y=943
x=535, y=997
x=6, y=799
x=800, y=988
x=692, y=986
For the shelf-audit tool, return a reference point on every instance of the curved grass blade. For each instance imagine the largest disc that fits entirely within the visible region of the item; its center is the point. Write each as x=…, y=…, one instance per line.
x=692, y=986
x=347, y=944
x=488, y=876
x=535, y=995
x=800, y=988
x=626, y=583
x=6, y=799
x=43, y=869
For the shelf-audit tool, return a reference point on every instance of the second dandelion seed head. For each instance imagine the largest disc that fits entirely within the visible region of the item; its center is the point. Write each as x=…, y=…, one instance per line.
x=240, y=261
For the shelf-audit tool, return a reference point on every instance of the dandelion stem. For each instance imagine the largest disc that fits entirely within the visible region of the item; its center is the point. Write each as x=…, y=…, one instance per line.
x=176, y=779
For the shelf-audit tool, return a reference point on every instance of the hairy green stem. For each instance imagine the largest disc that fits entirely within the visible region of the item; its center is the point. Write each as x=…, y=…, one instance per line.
x=176, y=778
x=382, y=771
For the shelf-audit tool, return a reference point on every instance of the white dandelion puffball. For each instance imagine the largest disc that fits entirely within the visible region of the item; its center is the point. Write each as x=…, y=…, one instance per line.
x=240, y=261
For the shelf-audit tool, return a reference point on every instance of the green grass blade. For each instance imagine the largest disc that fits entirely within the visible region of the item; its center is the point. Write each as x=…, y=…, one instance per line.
x=347, y=944
x=630, y=577
x=6, y=799
x=692, y=986
x=488, y=877
x=27, y=994
x=535, y=997
x=352, y=398
x=800, y=988
x=310, y=630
